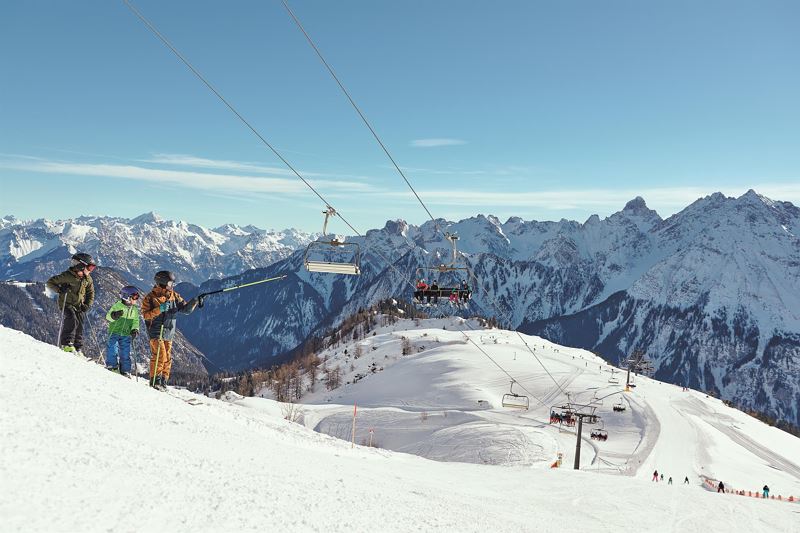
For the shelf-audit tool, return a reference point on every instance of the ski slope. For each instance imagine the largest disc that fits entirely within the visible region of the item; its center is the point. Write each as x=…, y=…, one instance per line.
x=82, y=449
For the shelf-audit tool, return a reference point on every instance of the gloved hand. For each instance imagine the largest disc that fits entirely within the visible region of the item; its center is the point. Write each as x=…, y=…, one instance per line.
x=63, y=288
x=116, y=314
x=82, y=307
x=166, y=306
x=191, y=305
x=134, y=332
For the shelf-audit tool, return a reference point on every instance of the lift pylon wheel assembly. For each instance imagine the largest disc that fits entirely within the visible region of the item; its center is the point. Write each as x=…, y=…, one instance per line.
x=514, y=400
x=342, y=257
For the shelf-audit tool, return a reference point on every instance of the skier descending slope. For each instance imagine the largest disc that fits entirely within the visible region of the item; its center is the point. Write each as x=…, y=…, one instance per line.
x=123, y=328
x=158, y=309
x=75, y=290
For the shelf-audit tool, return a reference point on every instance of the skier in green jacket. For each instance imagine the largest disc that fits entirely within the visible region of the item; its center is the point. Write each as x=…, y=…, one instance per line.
x=75, y=290
x=123, y=318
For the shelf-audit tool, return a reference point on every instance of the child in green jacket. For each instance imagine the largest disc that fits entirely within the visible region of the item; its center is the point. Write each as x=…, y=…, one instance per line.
x=124, y=326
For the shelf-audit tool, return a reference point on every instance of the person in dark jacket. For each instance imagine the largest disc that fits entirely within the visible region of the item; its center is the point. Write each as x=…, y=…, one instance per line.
x=158, y=310
x=75, y=290
x=766, y=491
x=721, y=487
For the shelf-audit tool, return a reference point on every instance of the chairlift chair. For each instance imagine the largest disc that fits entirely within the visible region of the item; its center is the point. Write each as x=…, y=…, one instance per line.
x=441, y=272
x=619, y=406
x=514, y=400
x=613, y=379
x=343, y=257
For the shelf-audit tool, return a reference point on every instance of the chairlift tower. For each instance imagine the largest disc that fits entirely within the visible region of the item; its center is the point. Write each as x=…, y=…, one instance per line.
x=639, y=364
x=591, y=418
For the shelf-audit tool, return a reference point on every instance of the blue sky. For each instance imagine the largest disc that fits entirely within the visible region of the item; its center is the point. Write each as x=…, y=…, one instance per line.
x=543, y=110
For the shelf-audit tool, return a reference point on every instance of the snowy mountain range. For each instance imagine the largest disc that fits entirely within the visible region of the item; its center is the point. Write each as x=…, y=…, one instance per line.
x=141, y=246
x=711, y=294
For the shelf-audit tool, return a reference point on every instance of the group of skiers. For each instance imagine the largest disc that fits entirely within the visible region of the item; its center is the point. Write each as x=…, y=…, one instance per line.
x=75, y=291
x=455, y=294
x=764, y=490
x=660, y=477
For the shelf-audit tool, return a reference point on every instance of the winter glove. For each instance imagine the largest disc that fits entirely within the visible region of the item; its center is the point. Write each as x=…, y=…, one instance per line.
x=82, y=308
x=134, y=332
x=190, y=306
x=166, y=306
x=63, y=288
x=116, y=314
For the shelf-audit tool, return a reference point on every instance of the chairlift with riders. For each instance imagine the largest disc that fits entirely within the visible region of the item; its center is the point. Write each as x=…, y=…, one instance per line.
x=337, y=257
x=514, y=400
x=562, y=414
x=619, y=406
x=456, y=272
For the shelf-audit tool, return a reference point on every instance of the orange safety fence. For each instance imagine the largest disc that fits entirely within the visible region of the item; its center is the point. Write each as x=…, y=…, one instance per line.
x=712, y=484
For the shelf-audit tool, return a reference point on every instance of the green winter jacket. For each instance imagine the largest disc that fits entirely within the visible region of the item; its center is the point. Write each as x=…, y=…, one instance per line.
x=81, y=290
x=129, y=321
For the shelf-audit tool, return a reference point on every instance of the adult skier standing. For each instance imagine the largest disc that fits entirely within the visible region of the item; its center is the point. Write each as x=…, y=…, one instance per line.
x=75, y=290
x=158, y=310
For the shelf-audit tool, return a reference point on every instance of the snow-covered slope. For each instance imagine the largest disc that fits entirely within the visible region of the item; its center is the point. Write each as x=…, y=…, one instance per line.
x=444, y=401
x=120, y=456
x=141, y=246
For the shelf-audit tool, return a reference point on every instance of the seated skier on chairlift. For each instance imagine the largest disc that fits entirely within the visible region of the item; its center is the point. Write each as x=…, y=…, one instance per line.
x=454, y=297
x=434, y=289
x=464, y=291
x=421, y=288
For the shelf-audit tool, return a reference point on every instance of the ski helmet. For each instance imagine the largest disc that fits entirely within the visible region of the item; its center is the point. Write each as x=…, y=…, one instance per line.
x=83, y=260
x=129, y=292
x=164, y=277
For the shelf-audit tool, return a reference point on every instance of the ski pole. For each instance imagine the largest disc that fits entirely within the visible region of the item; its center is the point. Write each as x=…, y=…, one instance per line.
x=201, y=297
x=61, y=326
x=158, y=353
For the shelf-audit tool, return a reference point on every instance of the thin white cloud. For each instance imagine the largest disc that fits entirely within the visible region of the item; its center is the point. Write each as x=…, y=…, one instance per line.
x=434, y=143
x=185, y=160
x=666, y=200
x=191, y=161
x=220, y=183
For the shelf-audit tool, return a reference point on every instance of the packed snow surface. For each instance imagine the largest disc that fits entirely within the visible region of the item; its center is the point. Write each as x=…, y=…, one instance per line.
x=83, y=449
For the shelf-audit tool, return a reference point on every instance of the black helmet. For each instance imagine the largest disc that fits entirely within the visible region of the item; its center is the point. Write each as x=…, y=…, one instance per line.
x=129, y=292
x=83, y=260
x=164, y=277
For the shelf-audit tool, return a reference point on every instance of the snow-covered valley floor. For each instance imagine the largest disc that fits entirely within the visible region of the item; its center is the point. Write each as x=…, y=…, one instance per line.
x=82, y=449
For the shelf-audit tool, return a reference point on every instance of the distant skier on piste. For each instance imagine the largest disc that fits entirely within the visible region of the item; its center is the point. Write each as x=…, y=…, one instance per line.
x=158, y=309
x=75, y=290
x=123, y=318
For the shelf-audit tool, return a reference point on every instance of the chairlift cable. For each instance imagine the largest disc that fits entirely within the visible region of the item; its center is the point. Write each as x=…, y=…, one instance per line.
x=186, y=62
x=396, y=166
x=358, y=110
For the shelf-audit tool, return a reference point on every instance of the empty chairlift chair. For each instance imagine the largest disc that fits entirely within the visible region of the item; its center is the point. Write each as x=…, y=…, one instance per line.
x=334, y=256
x=514, y=400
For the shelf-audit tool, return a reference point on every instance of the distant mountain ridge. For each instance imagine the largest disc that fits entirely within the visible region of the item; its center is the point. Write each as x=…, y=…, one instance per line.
x=712, y=293
x=141, y=246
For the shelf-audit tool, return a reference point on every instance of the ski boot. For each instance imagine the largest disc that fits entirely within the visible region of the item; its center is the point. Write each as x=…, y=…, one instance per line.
x=112, y=368
x=68, y=348
x=160, y=383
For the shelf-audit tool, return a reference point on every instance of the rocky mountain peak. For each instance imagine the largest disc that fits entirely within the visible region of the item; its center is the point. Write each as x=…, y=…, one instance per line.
x=147, y=218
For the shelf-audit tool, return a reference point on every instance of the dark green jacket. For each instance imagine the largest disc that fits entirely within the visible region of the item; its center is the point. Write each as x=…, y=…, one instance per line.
x=81, y=290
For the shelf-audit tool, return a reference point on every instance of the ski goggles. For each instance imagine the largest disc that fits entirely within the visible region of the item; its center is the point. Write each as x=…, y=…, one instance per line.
x=134, y=296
